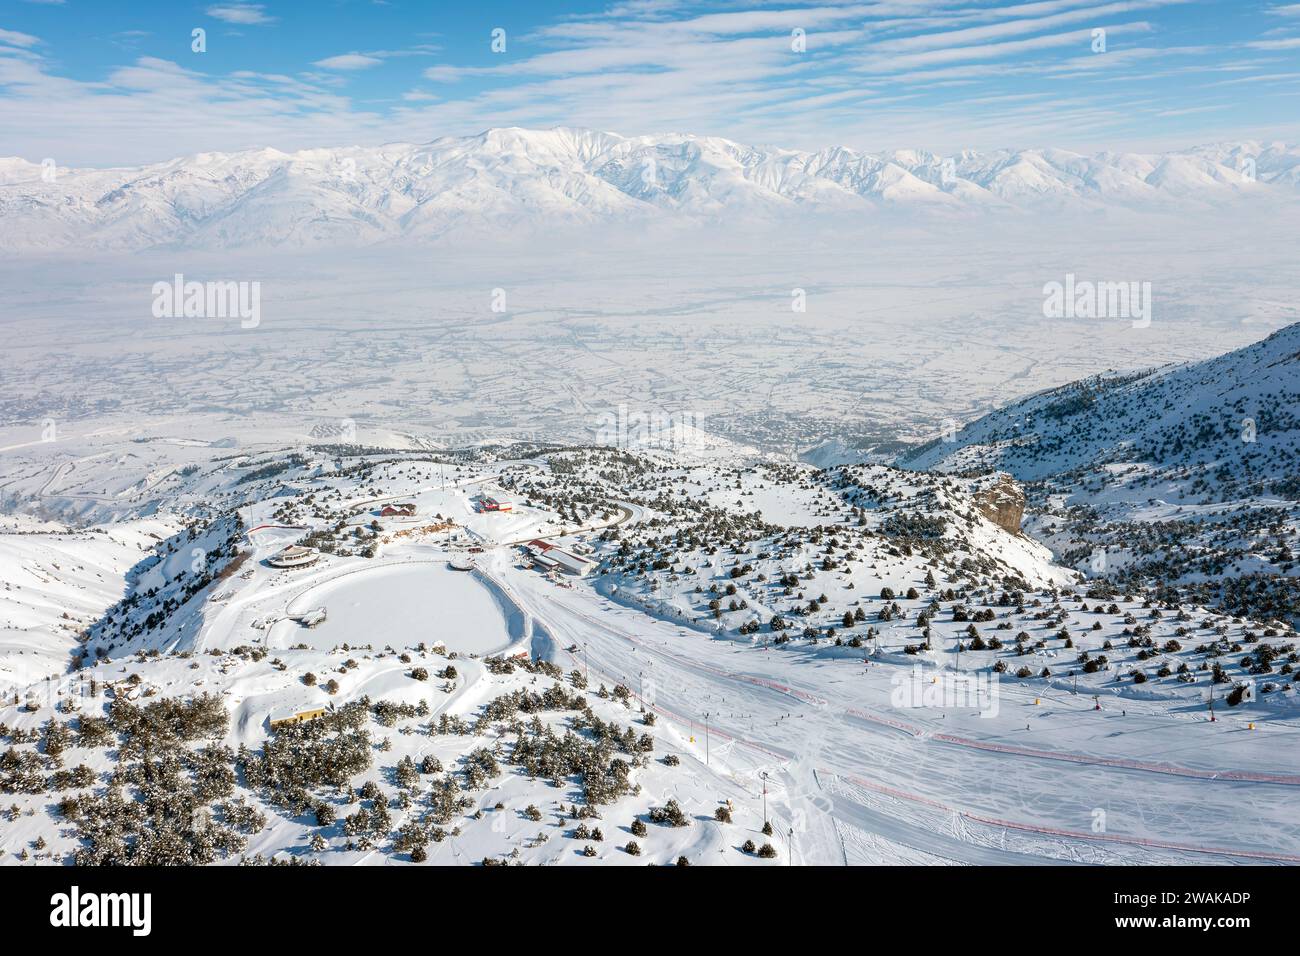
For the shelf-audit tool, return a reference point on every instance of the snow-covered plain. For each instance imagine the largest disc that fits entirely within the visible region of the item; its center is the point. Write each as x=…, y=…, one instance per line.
x=904, y=327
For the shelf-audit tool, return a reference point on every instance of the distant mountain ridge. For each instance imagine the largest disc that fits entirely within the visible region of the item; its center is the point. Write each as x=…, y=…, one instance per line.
x=364, y=195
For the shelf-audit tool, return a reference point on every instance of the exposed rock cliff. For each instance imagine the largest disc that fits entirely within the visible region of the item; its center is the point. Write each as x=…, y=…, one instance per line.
x=1003, y=503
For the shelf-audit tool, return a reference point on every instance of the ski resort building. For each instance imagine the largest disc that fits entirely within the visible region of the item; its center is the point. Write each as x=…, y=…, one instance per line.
x=549, y=556
x=488, y=503
x=294, y=556
x=404, y=509
x=296, y=714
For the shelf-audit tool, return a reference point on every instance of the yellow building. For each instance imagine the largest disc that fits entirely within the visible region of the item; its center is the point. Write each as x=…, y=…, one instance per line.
x=297, y=714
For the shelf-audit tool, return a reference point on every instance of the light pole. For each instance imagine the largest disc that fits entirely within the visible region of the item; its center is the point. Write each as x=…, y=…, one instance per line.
x=764, y=776
x=706, y=738
x=586, y=663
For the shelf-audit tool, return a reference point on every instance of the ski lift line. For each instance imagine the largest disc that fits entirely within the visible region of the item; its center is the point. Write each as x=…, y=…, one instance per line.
x=678, y=719
x=697, y=666
x=665, y=712
x=687, y=722
x=1059, y=832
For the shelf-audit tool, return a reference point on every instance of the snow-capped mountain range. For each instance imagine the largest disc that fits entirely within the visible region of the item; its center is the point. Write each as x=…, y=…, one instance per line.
x=358, y=196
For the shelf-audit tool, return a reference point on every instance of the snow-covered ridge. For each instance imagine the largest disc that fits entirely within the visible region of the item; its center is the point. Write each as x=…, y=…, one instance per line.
x=1214, y=412
x=1180, y=475
x=55, y=582
x=359, y=196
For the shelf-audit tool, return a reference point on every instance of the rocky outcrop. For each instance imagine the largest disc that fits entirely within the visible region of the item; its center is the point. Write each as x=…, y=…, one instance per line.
x=1003, y=503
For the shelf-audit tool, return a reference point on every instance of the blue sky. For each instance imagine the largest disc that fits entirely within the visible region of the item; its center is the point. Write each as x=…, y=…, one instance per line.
x=94, y=82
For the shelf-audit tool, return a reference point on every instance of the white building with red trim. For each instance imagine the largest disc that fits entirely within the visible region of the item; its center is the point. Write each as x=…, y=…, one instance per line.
x=550, y=556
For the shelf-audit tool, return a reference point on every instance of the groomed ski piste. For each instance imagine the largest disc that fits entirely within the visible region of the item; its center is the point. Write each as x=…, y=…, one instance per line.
x=1046, y=779
x=864, y=751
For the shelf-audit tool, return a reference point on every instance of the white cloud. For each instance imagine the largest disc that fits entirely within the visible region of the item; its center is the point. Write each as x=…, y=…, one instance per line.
x=940, y=72
x=992, y=51
x=242, y=13
x=1288, y=43
x=1192, y=110
x=15, y=38
x=348, y=61
x=955, y=38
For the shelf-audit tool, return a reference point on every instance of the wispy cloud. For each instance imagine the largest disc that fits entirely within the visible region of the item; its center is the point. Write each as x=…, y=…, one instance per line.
x=938, y=74
x=247, y=14
x=349, y=61
x=992, y=51
x=1094, y=15
x=1286, y=43
x=14, y=38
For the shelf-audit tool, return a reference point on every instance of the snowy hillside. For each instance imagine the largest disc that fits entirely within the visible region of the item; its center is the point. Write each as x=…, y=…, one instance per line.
x=765, y=662
x=1183, y=474
x=356, y=195
x=57, y=582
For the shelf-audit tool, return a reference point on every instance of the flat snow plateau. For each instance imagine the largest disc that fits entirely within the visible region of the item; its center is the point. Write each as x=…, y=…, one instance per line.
x=426, y=602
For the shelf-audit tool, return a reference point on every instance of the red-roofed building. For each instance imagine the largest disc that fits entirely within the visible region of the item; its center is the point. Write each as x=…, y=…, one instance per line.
x=557, y=557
